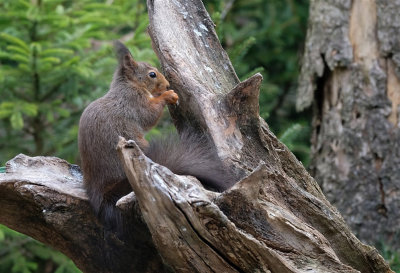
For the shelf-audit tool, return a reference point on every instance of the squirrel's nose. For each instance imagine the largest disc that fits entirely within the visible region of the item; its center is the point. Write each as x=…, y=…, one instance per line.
x=167, y=86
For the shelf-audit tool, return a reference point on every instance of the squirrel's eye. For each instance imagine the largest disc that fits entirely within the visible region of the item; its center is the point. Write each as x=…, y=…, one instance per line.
x=152, y=75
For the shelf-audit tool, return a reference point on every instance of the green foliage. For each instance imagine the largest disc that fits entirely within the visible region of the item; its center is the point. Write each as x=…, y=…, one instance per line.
x=295, y=137
x=55, y=57
x=392, y=256
x=21, y=254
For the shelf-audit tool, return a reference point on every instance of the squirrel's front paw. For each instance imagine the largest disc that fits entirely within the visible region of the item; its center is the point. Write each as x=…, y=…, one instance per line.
x=170, y=97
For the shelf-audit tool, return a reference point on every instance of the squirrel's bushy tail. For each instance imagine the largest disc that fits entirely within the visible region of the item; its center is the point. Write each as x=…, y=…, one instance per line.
x=190, y=154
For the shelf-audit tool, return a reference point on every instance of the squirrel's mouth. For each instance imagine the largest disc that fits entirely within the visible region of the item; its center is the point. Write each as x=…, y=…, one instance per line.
x=158, y=91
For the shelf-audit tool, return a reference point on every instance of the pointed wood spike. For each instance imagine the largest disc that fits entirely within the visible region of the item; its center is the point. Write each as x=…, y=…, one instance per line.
x=243, y=99
x=251, y=184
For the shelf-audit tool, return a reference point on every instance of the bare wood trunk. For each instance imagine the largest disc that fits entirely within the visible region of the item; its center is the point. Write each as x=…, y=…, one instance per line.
x=351, y=71
x=274, y=219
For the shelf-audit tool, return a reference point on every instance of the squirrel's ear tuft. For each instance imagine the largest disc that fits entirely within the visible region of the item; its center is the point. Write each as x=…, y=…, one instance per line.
x=124, y=56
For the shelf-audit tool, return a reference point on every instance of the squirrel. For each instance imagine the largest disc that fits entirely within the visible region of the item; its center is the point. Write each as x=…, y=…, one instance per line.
x=131, y=107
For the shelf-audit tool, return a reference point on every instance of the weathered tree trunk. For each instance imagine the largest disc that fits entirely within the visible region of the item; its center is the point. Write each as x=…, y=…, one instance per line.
x=351, y=70
x=43, y=197
x=274, y=219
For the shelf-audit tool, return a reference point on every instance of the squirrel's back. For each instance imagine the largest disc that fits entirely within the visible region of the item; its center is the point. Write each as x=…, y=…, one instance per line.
x=104, y=177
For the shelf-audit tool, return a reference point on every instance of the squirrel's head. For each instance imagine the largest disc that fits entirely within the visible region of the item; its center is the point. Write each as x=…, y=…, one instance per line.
x=139, y=74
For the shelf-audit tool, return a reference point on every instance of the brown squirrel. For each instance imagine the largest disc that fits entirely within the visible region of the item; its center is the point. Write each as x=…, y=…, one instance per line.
x=132, y=106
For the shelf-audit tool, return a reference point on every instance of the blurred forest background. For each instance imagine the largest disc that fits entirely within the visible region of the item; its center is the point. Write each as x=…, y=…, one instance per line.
x=56, y=57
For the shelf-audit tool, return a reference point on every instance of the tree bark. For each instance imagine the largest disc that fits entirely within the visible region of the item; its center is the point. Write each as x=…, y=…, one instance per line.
x=351, y=73
x=274, y=219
